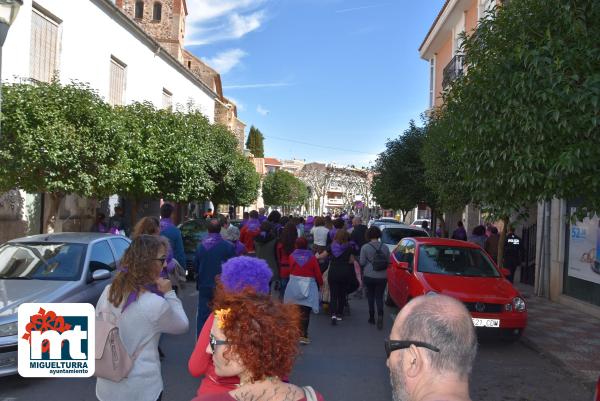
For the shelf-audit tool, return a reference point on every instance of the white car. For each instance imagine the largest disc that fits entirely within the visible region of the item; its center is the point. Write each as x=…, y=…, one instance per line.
x=419, y=223
x=393, y=233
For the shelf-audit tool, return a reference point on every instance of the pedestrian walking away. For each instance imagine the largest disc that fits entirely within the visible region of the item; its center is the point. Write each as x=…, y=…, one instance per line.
x=212, y=252
x=341, y=276
x=431, y=350
x=478, y=236
x=172, y=233
x=491, y=243
x=304, y=283
x=265, y=245
x=285, y=246
x=459, y=233
x=255, y=338
x=513, y=252
x=145, y=306
x=238, y=274
x=374, y=258
x=249, y=231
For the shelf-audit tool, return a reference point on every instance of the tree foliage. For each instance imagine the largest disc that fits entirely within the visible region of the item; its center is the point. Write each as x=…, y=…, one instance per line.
x=241, y=184
x=399, y=181
x=522, y=125
x=59, y=139
x=255, y=142
x=282, y=188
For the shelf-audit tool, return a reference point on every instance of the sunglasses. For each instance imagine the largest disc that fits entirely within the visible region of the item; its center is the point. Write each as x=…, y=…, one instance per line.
x=392, y=345
x=214, y=342
x=161, y=260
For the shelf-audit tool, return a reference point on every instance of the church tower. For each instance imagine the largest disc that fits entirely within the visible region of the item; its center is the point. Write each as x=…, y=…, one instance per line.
x=164, y=20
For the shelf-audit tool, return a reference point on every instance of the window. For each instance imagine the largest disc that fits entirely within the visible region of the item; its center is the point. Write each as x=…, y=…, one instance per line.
x=167, y=99
x=431, y=81
x=405, y=252
x=120, y=246
x=157, y=11
x=116, y=90
x=455, y=261
x=139, y=9
x=45, y=44
x=101, y=257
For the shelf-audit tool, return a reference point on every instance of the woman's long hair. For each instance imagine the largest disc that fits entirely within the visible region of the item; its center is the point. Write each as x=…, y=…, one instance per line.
x=288, y=237
x=135, y=268
x=147, y=225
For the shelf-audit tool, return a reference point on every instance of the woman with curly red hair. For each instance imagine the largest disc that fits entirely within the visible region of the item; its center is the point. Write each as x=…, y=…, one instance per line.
x=256, y=338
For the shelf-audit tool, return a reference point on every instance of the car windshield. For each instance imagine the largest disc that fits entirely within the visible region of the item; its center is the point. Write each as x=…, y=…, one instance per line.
x=47, y=261
x=392, y=236
x=455, y=261
x=193, y=232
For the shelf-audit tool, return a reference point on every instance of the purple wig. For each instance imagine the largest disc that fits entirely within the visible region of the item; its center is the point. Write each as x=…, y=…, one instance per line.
x=244, y=271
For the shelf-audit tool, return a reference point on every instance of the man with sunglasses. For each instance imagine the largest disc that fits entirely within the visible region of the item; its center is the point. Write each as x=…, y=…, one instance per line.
x=431, y=350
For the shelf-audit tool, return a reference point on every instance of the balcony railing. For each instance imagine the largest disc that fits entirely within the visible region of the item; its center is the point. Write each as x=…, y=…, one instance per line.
x=453, y=70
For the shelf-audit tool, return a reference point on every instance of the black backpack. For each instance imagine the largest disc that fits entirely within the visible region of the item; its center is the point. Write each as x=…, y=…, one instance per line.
x=380, y=261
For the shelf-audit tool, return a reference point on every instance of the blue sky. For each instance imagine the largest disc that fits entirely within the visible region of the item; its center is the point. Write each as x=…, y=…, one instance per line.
x=344, y=75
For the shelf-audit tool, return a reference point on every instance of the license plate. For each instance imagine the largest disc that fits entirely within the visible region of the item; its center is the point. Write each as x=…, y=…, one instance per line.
x=486, y=322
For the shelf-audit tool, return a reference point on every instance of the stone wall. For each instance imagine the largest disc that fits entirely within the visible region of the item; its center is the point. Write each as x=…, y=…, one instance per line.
x=169, y=31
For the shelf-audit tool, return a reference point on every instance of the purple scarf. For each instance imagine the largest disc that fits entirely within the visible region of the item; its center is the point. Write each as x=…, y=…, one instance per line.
x=338, y=249
x=240, y=249
x=165, y=223
x=134, y=295
x=302, y=256
x=253, y=225
x=102, y=228
x=261, y=218
x=211, y=240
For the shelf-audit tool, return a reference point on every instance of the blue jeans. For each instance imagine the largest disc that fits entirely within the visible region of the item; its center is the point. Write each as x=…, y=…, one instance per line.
x=283, y=282
x=205, y=297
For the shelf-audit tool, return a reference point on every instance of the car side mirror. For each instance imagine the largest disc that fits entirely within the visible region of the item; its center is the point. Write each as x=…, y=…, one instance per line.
x=505, y=272
x=100, y=274
x=403, y=265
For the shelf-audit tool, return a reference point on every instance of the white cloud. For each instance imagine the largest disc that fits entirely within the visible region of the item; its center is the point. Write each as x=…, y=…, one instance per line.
x=347, y=10
x=262, y=111
x=226, y=60
x=210, y=21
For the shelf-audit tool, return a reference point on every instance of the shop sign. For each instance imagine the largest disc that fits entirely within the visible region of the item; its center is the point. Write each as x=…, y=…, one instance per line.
x=584, y=250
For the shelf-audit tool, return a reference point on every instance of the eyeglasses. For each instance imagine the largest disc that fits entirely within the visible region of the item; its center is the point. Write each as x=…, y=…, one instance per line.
x=214, y=342
x=161, y=260
x=392, y=345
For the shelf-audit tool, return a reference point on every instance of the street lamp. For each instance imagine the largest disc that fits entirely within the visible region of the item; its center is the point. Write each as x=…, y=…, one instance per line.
x=8, y=12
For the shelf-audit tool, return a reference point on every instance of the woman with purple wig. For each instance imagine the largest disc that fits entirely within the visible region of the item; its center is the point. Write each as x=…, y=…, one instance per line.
x=237, y=274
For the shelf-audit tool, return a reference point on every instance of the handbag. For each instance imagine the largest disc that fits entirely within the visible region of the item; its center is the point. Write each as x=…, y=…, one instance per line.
x=310, y=393
x=177, y=276
x=113, y=362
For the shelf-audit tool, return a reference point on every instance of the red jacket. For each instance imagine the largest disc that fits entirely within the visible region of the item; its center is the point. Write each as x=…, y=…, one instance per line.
x=310, y=269
x=247, y=238
x=201, y=363
x=283, y=260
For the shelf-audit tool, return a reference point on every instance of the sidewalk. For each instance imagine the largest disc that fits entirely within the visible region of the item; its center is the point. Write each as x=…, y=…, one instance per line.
x=564, y=334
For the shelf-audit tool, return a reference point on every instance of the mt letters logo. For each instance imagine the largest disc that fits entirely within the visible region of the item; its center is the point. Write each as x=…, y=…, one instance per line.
x=56, y=340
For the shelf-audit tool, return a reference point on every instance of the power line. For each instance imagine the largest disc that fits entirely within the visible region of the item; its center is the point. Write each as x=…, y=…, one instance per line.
x=319, y=146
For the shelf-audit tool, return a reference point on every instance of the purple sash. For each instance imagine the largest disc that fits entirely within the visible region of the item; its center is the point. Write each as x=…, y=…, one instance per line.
x=302, y=256
x=338, y=249
x=165, y=223
x=133, y=296
x=211, y=240
x=253, y=225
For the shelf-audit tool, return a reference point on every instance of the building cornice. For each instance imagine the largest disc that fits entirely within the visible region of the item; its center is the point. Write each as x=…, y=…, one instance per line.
x=159, y=51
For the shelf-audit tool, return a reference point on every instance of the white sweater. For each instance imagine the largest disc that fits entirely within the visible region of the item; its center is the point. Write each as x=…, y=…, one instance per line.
x=143, y=320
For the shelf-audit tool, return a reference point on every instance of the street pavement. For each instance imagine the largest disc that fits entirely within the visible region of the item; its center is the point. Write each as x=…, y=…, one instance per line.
x=346, y=363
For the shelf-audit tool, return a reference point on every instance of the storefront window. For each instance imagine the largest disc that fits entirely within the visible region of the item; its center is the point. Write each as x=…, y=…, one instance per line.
x=582, y=260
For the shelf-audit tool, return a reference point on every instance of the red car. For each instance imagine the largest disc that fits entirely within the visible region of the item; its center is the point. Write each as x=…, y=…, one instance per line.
x=459, y=269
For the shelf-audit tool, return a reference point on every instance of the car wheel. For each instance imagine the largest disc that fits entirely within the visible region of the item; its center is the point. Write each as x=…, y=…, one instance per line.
x=386, y=297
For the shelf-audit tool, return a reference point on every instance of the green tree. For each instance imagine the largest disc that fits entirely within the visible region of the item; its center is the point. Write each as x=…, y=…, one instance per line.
x=399, y=181
x=523, y=122
x=240, y=185
x=282, y=188
x=254, y=143
x=59, y=139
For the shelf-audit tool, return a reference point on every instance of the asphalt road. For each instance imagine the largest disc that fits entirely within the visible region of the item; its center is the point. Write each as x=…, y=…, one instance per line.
x=345, y=362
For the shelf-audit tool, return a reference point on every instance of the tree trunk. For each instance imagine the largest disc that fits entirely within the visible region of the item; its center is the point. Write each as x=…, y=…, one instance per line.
x=55, y=200
x=502, y=241
x=135, y=204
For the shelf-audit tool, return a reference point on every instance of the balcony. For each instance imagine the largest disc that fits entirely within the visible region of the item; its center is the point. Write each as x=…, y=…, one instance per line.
x=453, y=70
